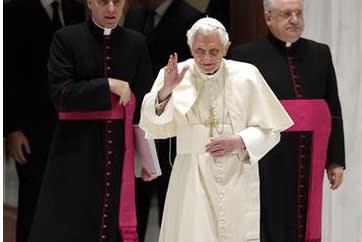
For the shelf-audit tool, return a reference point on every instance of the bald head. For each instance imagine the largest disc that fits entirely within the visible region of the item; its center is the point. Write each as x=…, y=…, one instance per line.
x=269, y=3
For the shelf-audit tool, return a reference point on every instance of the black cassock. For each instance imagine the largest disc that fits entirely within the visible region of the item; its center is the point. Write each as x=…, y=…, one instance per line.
x=303, y=71
x=80, y=194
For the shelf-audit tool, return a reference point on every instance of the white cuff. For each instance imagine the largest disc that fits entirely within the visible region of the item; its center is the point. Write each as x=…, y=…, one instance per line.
x=149, y=107
x=258, y=141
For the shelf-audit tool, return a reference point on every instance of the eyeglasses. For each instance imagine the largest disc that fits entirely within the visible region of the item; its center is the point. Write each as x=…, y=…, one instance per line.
x=201, y=53
x=289, y=14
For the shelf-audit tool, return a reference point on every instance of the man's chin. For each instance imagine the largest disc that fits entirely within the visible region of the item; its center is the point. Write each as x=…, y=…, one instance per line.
x=109, y=24
x=208, y=71
x=294, y=36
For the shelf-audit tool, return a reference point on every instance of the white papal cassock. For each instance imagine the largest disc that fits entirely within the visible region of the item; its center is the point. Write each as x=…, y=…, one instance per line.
x=212, y=200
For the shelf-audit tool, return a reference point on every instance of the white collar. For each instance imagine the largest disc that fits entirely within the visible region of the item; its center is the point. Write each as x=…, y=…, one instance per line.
x=107, y=31
x=161, y=10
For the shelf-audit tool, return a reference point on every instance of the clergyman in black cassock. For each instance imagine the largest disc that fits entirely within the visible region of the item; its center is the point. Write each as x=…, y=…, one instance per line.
x=298, y=70
x=90, y=63
x=29, y=116
x=164, y=24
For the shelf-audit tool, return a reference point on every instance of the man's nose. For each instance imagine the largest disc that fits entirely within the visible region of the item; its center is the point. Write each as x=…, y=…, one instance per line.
x=294, y=17
x=110, y=6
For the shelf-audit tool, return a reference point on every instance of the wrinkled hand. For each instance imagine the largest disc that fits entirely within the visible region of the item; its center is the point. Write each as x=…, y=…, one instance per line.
x=146, y=176
x=17, y=143
x=224, y=145
x=121, y=89
x=171, y=77
x=335, y=175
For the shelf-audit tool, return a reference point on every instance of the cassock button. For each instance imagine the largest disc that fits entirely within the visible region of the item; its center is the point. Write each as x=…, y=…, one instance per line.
x=109, y=162
x=108, y=47
x=109, y=121
x=108, y=184
x=108, y=194
x=108, y=173
x=106, y=205
x=108, y=57
x=105, y=215
x=108, y=68
x=109, y=152
x=104, y=226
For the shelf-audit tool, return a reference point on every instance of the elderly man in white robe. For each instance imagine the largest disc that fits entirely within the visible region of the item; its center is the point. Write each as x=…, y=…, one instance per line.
x=225, y=118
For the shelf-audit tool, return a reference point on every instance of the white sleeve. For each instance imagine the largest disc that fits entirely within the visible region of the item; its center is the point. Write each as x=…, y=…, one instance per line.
x=149, y=109
x=157, y=126
x=258, y=141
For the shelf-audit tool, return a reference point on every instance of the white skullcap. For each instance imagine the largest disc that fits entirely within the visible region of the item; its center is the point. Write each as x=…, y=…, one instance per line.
x=208, y=25
x=212, y=22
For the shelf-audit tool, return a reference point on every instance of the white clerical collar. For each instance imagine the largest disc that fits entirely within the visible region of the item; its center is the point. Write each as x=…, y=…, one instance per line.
x=288, y=44
x=107, y=31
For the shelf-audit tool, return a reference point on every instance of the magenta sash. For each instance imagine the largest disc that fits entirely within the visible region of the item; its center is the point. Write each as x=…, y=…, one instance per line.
x=127, y=221
x=313, y=115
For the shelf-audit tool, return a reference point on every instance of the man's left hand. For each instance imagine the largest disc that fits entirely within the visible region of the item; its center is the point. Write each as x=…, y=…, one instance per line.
x=147, y=176
x=224, y=145
x=335, y=175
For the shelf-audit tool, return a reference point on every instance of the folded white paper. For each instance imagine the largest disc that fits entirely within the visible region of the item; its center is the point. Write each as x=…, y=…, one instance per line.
x=145, y=154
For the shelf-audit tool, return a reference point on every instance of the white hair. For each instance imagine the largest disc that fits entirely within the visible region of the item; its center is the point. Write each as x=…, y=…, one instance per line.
x=207, y=26
x=268, y=4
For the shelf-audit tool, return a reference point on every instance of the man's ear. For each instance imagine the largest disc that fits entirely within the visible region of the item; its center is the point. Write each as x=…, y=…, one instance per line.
x=267, y=17
x=89, y=3
x=226, y=48
x=191, y=51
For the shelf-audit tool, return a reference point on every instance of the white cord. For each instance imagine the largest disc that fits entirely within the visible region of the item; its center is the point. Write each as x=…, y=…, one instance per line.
x=169, y=151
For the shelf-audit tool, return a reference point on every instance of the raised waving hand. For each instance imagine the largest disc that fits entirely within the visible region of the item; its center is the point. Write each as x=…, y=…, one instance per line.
x=172, y=77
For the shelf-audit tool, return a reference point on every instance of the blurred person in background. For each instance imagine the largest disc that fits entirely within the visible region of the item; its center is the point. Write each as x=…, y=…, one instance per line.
x=29, y=116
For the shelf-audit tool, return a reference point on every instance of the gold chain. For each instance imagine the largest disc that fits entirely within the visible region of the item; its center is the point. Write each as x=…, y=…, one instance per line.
x=212, y=120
